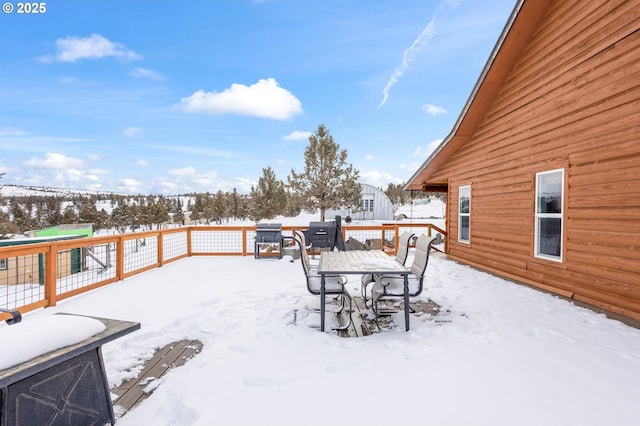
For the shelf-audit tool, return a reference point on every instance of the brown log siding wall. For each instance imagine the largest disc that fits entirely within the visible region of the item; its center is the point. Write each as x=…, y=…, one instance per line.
x=571, y=101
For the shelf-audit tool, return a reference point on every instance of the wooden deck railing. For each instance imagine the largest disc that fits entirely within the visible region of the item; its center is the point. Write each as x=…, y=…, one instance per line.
x=41, y=274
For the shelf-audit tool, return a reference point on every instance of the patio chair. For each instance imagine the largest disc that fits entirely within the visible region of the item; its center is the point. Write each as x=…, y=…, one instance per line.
x=334, y=284
x=392, y=287
x=401, y=256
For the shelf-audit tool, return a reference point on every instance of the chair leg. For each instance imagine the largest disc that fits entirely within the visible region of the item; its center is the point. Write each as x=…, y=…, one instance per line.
x=344, y=327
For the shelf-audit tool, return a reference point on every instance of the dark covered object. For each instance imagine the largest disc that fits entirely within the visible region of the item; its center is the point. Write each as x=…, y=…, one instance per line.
x=325, y=234
x=268, y=234
x=67, y=386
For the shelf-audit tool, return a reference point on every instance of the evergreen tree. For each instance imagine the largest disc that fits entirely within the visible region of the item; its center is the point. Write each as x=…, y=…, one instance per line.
x=269, y=198
x=197, y=209
x=220, y=207
x=20, y=217
x=178, y=214
x=157, y=214
x=69, y=215
x=6, y=226
x=90, y=214
x=120, y=217
x=328, y=181
x=397, y=194
x=234, y=204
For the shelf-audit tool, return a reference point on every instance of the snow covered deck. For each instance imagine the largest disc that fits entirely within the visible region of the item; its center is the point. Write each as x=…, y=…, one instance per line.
x=498, y=353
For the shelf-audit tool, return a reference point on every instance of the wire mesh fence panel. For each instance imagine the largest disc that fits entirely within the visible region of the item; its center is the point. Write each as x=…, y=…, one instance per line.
x=426, y=229
x=366, y=239
x=217, y=241
x=251, y=241
x=84, y=266
x=140, y=253
x=22, y=280
x=174, y=245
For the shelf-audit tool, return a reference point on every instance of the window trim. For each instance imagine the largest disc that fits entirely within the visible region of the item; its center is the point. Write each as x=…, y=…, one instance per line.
x=537, y=216
x=461, y=215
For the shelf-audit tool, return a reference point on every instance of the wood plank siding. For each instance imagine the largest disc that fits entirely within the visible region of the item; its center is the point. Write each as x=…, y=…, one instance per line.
x=570, y=99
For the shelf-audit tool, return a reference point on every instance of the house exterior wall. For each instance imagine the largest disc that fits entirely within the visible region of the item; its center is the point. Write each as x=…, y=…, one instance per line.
x=570, y=102
x=29, y=269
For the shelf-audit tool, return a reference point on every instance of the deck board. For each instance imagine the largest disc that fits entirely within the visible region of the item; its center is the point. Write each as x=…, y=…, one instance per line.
x=364, y=324
x=132, y=392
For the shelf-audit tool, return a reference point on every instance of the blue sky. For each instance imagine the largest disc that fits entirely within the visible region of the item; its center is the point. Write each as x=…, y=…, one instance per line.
x=173, y=97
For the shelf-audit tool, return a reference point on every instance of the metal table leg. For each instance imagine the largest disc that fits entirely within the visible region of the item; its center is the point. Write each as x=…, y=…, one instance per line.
x=406, y=302
x=322, y=301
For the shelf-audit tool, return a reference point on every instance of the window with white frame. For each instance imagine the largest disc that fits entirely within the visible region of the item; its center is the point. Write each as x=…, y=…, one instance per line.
x=3, y=264
x=464, y=214
x=367, y=205
x=549, y=214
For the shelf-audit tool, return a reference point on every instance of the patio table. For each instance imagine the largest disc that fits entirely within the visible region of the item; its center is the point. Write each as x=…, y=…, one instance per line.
x=358, y=262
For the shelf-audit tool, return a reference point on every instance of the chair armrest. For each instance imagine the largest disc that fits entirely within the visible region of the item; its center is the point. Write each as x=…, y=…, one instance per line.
x=342, y=278
x=16, y=316
x=385, y=280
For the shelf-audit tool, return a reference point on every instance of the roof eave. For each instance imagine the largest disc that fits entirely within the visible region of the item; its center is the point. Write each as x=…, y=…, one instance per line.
x=426, y=170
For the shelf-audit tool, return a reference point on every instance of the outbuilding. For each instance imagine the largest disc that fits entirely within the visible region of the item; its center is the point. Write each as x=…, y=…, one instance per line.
x=29, y=269
x=375, y=206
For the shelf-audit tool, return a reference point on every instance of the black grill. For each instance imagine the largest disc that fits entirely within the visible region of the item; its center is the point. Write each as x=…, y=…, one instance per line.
x=268, y=240
x=322, y=234
x=325, y=235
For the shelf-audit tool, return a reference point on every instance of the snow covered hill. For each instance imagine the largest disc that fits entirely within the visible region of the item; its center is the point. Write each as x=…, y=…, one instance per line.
x=44, y=191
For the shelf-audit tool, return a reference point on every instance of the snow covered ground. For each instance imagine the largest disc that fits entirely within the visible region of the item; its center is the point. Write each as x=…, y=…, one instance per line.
x=500, y=354
x=504, y=354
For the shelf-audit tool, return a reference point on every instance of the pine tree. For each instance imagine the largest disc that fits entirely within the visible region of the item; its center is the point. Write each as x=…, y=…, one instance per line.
x=178, y=214
x=6, y=227
x=197, y=209
x=328, y=181
x=269, y=197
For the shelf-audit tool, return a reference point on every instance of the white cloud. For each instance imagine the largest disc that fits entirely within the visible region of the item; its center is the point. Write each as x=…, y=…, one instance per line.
x=421, y=152
x=408, y=56
x=169, y=187
x=12, y=131
x=99, y=171
x=195, y=151
x=54, y=161
x=70, y=49
x=411, y=52
x=369, y=158
x=426, y=151
x=142, y=163
x=75, y=175
x=68, y=80
x=131, y=131
x=145, y=73
x=262, y=99
x=433, y=110
x=413, y=166
x=129, y=185
x=378, y=179
x=189, y=179
x=185, y=171
x=297, y=135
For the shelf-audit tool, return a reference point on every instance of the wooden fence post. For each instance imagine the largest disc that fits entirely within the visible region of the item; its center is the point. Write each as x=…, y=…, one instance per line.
x=50, y=268
x=120, y=258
